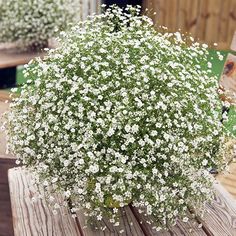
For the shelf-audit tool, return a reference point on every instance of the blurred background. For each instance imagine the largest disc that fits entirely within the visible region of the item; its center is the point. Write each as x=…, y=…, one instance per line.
x=209, y=21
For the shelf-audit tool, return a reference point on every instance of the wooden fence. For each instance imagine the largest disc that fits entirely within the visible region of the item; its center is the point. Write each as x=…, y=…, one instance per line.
x=210, y=21
x=89, y=7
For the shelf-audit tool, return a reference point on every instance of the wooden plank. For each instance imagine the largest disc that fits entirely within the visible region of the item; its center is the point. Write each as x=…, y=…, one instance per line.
x=4, y=96
x=228, y=179
x=223, y=21
x=211, y=35
x=193, y=16
x=85, y=9
x=35, y=218
x=5, y=164
x=190, y=228
x=220, y=216
x=92, y=6
x=161, y=10
x=6, y=228
x=171, y=9
x=231, y=21
x=13, y=57
x=219, y=219
x=128, y=225
x=98, y=7
x=233, y=43
x=182, y=16
x=3, y=108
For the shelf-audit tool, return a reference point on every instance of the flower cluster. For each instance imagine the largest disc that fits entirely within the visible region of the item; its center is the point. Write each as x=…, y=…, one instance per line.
x=121, y=114
x=32, y=23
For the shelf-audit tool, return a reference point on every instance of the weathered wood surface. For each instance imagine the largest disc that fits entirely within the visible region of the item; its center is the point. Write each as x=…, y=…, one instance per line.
x=128, y=225
x=89, y=7
x=220, y=216
x=4, y=96
x=3, y=108
x=12, y=57
x=219, y=219
x=36, y=218
x=190, y=228
x=233, y=44
x=228, y=180
x=210, y=21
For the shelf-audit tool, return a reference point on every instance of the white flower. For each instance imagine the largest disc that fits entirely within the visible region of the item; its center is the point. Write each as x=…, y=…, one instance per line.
x=67, y=194
x=127, y=128
x=204, y=162
x=94, y=168
x=66, y=163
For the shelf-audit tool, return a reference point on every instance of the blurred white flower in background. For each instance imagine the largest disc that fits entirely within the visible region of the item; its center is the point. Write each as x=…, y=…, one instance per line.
x=31, y=23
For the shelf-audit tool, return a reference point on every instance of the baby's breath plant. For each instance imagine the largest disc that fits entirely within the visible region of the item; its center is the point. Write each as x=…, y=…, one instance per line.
x=31, y=23
x=121, y=114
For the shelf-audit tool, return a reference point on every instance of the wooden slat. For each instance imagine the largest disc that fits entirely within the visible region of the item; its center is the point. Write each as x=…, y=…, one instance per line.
x=212, y=21
x=35, y=218
x=228, y=179
x=12, y=57
x=128, y=225
x=223, y=21
x=4, y=96
x=233, y=43
x=172, y=9
x=220, y=216
x=98, y=4
x=191, y=228
x=192, y=16
x=3, y=108
x=219, y=219
x=85, y=9
x=93, y=6
x=159, y=6
x=231, y=21
x=182, y=16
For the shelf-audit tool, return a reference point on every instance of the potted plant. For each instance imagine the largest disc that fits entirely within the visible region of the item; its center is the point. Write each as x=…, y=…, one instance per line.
x=121, y=114
x=30, y=24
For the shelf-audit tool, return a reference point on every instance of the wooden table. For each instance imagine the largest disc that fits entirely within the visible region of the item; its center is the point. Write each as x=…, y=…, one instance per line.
x=10, y=58
x=33, y=218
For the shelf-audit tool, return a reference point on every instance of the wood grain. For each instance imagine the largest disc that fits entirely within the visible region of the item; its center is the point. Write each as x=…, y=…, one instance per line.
x=233, y=43
x=35, y=218
x=12, y=57
x=220, y=216
x=219, y=219
x=228, y=179
x=4, y=96
x=190, y=228
x=128, y=225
